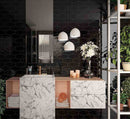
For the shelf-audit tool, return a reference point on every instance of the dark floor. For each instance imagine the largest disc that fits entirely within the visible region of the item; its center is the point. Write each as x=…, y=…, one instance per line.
x=69, y=114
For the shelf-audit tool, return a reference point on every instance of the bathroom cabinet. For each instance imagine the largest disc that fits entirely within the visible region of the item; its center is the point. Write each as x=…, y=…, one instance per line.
x=39, y=94
x=83, y=93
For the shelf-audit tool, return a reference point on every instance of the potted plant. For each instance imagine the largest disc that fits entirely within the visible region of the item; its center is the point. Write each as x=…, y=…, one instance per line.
x=128, y=13
x=123, y=99
x=2, y=97
x=123, y=4
x=125, y=48
x=126, y=88
x=113, y=51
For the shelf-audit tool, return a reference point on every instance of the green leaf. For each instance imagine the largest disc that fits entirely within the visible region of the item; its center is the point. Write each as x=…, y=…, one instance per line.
x=114, y=61
x=129, y=41
x=2, y=96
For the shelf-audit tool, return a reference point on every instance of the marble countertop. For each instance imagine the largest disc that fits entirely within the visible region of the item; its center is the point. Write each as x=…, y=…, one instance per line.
x=81, y=78
x=62, y=78
x=38, y=76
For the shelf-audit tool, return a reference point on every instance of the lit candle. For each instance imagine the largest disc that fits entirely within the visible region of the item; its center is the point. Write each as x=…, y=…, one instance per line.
x=77, y=73
x=71, y=73
x=74, y=75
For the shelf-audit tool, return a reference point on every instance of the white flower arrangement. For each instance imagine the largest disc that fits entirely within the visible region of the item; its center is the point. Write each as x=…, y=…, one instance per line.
x=88, y=49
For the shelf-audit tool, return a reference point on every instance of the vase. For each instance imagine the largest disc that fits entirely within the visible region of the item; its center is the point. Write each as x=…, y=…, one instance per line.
x=122, y=7
x=121, y=107
x=128, y=103
x=88, y=73
x=126, y=66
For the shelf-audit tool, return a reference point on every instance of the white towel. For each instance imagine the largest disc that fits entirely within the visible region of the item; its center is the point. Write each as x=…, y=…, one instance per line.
x=14, y=99
x=14, y=105
x=63, y=104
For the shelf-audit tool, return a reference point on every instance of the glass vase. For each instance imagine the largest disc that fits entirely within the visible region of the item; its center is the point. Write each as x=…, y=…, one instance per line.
x=89, y=68
x=88, y=73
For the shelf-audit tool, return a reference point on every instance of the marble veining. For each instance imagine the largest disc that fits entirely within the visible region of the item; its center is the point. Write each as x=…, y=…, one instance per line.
x=37, y=97
x=88, y=94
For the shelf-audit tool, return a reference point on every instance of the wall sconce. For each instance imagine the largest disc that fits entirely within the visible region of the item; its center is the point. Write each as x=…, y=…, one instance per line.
x=69, y=46
x=62, y=37
x=75, y=33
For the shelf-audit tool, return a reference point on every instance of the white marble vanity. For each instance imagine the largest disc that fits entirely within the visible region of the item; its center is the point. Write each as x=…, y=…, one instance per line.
x=37, y=97
x=38, y=94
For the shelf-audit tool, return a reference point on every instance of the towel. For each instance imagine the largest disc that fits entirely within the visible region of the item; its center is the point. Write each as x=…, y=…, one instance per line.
x=14, y=100
x=63, y=104
x=14, y=105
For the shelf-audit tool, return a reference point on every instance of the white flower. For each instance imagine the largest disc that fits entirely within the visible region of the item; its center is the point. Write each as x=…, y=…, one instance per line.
x=90, y=53
x=88, y=49
x=83, y=47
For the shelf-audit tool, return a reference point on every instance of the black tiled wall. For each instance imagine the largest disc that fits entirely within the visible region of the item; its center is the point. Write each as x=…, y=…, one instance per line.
x=85, y=15
x=12, y=35
x=66, y=61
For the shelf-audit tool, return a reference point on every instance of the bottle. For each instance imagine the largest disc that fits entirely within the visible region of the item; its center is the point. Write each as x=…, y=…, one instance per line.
x=30, y=69
x=40, y=70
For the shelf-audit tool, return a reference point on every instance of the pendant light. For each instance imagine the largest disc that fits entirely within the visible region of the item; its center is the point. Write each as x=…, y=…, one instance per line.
x=69, y=46
x=75, y=33
x=62, y=37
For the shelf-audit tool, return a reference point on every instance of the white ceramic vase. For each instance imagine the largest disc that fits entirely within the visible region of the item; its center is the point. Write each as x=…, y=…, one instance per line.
x=126, y=66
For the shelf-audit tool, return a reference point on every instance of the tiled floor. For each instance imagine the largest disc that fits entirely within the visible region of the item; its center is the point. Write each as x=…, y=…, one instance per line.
x=69, y=114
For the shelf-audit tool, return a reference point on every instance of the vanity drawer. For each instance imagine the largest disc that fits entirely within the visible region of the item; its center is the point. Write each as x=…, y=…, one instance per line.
x=88, y=101
x=88, y=94
x=87, y=87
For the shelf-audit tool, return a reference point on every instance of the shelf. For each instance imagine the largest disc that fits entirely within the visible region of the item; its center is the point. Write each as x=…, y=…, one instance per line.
x=115, y=14
x=115, y=70
x=115, y=17
x=123, y=17
x=62, y=87
x=126, y=110
x=112, y=70
x=124, y=113
x=124, y=72
x=127, y=10
x=12, y=87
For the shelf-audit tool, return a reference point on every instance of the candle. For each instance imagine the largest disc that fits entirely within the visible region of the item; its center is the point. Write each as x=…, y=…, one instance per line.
x=77, y=73
x=74, y=75
x=71, y=73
